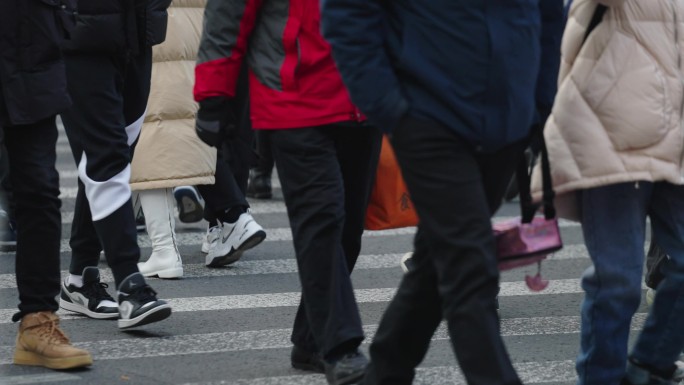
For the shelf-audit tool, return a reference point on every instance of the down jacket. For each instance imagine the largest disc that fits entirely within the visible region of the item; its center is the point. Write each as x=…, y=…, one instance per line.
x=32, y=78
x=618, y=113
x=168, y=152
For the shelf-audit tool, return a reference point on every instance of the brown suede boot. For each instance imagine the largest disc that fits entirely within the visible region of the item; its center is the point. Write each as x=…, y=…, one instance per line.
x=42, y=343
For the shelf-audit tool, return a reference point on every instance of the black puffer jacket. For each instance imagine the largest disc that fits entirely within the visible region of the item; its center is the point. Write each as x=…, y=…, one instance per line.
x=118, y=26
x=32, y=78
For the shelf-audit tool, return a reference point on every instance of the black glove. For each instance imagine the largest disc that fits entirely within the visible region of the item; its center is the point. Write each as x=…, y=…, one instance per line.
x=215, y=120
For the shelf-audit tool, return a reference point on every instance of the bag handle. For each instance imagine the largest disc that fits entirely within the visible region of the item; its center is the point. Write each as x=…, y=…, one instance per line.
x=527, y=207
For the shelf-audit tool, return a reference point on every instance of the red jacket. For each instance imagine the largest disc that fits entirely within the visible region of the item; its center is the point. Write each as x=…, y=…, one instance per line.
x=293, y=80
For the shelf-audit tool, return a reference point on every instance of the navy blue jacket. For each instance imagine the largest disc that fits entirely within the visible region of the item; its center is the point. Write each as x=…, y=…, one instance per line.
x=470, y=65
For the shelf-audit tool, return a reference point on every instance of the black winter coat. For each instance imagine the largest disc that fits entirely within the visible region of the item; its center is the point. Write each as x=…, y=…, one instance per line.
x=118, y=26
x=32, y=78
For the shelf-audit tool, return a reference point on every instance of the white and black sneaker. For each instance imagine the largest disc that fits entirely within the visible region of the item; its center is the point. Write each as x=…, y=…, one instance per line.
x=211, y=238
x=138, y=303
x=91, y=299
x=234, y=239
x=190, y=204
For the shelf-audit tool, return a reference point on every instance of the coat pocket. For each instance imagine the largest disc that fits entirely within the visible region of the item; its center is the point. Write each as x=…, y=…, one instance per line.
x=627, y=90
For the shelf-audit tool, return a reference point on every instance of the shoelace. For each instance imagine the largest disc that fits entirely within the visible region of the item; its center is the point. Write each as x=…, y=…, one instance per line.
x=213, y=234
x=144, y=294
x=51, y=332
x=98, y=291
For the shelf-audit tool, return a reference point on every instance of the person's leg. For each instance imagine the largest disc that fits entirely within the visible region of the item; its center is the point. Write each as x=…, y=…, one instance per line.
x=613, y=223
x=96, y=126
x=454, y=203
x=165, y=260
x=661, y=340
x=314, y=195
x=32, y=155
x=226, y=209
x=358, y=149
x=406, y=328
x=260, y=175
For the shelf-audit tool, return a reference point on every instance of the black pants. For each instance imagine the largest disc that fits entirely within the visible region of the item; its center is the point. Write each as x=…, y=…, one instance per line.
x=265, y=163
x=234, y=158
x=326, y=175
x=32, y=155
x=455, y=277
x=110, y=96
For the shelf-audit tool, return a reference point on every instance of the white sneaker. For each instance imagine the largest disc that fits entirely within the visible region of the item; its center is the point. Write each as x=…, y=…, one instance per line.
x=234, y=239
x=211, y=238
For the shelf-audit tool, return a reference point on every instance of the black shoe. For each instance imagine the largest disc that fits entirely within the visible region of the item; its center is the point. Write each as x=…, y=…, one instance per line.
x=91, y=299
x=347, y=370
x=138, y=303
x=190, y=204
x=639, y=374
x=305, y=360
x=259, y=186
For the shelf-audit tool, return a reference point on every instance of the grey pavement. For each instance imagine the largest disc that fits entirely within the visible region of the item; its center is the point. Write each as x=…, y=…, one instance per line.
x=231, y=325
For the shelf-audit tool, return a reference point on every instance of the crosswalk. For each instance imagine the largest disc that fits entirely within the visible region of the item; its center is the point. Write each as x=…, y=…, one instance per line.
x=232, y=325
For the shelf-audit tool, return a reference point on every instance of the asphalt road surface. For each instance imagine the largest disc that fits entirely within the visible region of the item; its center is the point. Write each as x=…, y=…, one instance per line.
x=231, y=325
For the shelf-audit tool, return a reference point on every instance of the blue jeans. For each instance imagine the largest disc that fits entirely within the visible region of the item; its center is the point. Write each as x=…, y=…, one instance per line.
x=614, y=224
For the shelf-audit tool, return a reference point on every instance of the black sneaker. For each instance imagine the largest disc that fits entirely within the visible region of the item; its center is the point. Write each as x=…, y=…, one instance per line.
x=259, y=185
x=190, y=204
x=91, y=299
x=304, y=360
x=347, y=370
x=638, y=374
x=138, y=303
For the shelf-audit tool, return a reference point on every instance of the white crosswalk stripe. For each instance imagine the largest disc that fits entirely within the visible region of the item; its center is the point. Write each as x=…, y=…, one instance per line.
x=232, y=325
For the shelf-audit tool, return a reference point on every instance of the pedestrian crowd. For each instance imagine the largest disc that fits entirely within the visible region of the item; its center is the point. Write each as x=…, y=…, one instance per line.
x=185, y=107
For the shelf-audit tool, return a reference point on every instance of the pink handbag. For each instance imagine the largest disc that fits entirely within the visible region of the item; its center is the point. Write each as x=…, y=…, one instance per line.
x=529, y=239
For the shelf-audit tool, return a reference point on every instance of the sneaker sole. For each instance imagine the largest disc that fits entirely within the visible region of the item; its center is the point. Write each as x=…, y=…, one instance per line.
x=23, y=357
x=308, y=367
x=174, y=273
x=70, y=306
x=189, y=209
x=157, y=314
x=235, y=255
x=352, y=379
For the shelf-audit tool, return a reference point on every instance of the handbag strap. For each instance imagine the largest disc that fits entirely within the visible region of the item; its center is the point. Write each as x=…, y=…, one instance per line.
x=527, y=207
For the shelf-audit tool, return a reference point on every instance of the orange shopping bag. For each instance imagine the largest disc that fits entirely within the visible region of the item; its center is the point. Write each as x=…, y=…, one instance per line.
x=390, y=206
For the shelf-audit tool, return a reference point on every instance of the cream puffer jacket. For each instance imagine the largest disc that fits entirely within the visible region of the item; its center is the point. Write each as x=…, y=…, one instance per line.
x=617, y=116
x=168, y=152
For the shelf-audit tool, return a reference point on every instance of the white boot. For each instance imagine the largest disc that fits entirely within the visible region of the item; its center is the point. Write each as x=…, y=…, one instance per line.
x=165, y=261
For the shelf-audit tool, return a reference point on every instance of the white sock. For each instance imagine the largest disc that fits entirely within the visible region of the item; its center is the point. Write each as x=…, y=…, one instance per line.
x=76, y=280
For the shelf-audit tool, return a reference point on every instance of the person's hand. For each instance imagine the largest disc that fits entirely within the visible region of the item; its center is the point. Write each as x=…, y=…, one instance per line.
x=215, y=120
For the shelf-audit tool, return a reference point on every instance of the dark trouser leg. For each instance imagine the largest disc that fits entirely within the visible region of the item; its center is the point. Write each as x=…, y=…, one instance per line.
x=233, y=160
x=314, y=194
x=358, y=150
x=32, y=156
x=96, y=128
x=224, y=194
x=456, y=276
x=265, y=162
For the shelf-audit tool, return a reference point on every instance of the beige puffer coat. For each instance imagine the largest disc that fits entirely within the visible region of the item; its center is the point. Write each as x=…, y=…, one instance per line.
x=169, y=153
x=617, y=116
